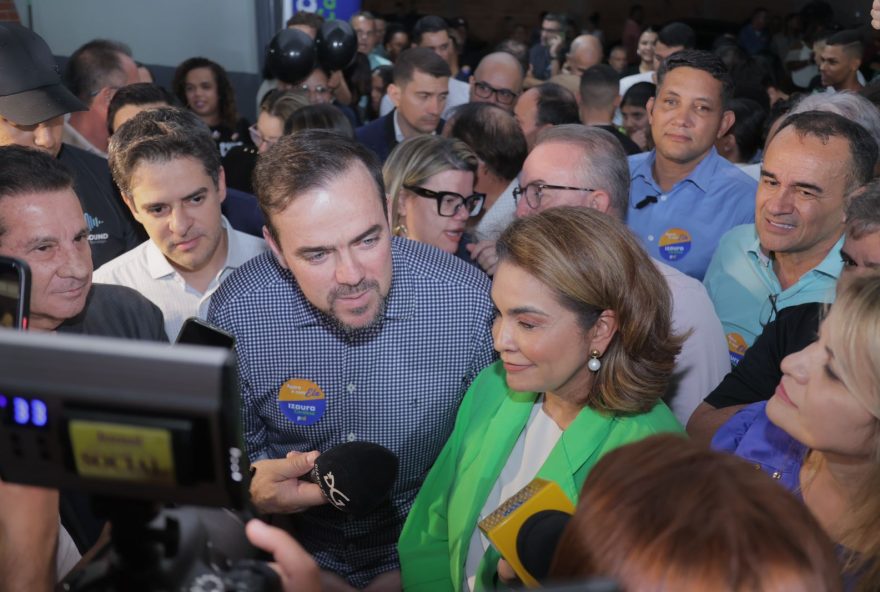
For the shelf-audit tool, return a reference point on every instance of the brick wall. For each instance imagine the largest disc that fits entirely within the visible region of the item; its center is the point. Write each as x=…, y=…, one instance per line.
x=8, y=12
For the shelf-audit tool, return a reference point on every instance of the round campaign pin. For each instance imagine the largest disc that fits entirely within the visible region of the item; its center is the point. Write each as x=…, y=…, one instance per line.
x=737, y=347
x=301, y=401
x=674, y=244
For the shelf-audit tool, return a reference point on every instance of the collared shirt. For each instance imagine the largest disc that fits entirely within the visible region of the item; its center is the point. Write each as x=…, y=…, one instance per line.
x=307, y=384
x=747, y=294
x=146, y=269
x=683, y=227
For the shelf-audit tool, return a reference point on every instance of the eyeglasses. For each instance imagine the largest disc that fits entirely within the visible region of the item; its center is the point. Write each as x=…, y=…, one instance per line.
x=318, y=90
x=534, y=192
x=448, y=202
x=546, y=30
x=484, y=91
x=258, y=139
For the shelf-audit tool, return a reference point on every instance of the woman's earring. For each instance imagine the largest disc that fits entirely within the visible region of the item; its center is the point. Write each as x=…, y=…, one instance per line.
x=401, y=230
x=595, y=363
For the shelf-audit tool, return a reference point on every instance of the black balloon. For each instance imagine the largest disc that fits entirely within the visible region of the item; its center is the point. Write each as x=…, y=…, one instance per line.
x=337, y=45
x=291, y=56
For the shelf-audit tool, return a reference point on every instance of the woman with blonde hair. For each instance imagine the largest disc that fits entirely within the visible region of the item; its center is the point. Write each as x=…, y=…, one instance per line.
x=819, y=434
x=585, y=337
x=430, y=181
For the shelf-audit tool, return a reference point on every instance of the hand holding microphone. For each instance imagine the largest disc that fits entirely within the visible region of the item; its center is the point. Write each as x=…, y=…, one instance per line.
x=355, y=477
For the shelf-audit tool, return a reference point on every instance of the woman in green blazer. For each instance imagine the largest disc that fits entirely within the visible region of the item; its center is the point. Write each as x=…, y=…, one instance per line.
x=584, y=333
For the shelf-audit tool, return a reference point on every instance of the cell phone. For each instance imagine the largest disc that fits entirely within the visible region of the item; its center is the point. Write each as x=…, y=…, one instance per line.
x=195, y=331
x=15, y=293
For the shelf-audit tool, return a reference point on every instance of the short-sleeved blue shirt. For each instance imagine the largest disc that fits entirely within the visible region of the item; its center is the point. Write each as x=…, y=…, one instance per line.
x=307, y=384
x=747, y=294
x=683, y=227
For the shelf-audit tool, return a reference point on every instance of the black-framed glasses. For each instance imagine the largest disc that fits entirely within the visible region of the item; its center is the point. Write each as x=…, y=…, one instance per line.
x=504, y=96
x=449, y=203
x=534, y=192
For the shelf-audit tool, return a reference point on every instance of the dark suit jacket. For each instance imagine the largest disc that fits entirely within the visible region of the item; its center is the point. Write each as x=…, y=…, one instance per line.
x=379, y=137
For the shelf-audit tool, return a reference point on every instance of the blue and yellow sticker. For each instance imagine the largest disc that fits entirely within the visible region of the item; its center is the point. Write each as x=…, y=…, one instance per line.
x=737, y=347
x=302, y=401
x=674, y=244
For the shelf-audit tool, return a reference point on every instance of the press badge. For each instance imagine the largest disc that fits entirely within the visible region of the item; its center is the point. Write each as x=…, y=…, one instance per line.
x=302, y=401
x=674, y=244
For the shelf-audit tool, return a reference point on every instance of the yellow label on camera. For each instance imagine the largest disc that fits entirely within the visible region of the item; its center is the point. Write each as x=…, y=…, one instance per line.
x=122, y=452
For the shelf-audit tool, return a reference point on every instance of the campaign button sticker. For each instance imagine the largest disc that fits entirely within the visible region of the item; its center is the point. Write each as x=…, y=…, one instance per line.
x=737, y=347
x=302, y=401
x=674, y=244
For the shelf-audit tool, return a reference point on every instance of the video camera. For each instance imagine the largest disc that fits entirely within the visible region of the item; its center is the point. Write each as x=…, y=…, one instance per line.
x=137, y=425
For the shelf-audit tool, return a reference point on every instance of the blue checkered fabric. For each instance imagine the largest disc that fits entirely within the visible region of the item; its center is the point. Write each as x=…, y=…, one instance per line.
x=397, y=384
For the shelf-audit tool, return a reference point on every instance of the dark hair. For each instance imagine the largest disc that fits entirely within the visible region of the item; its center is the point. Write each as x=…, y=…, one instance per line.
x=225, y=93
x=494, y=135
x=556, y=105
x=309, y=19
x=393, y=29
x=600, y=86
x=778, y=110
x=422, y=59
x=428, y=24
x=748, y=127
x=324, y=116
x=677, y=34
x=639, y=94
x=300, y=162
x=643, y=519
x=699, y=60
x=863, y=150
x=140, y=93
x=850, y=40
x=556, y=17
x=161, y=135
x=27, y=170
x=94, y=66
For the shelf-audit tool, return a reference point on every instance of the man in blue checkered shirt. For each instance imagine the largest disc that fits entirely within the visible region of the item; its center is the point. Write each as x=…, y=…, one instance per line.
x=344, y=333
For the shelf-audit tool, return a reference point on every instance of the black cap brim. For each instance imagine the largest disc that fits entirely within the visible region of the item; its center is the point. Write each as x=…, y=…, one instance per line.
x=39, y=104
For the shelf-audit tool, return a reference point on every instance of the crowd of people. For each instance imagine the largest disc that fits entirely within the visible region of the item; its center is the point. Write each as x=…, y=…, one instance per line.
x=609, y=265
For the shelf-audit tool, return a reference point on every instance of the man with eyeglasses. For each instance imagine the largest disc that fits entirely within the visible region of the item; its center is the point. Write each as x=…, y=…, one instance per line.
x=544, y=55
x=498, y=79
x=168, y=169
x=94, y=73
x=791, y=254
x=574, y=165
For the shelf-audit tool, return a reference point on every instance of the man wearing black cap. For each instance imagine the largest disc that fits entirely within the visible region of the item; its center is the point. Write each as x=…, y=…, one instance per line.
x=33, y=103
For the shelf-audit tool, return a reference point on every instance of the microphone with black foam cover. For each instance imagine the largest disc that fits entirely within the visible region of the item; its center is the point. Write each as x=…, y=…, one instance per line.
x=535, y=508
x=355, y=477
x=537, y=540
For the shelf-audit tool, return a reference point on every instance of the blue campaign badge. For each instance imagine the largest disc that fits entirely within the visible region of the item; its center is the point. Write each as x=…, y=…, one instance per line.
x=302, y=401
x=674, y=244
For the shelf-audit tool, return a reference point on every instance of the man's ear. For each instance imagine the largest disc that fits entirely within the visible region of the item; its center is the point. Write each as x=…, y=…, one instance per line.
x=129, y=201
x=393, y=93
x=221, y=185
x=600, y=201
x=274, y=247
x=725, y=145
x=649, y=107
x=727, y=121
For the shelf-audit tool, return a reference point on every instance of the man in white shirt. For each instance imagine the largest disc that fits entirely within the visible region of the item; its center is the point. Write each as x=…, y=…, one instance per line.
x=168, y=170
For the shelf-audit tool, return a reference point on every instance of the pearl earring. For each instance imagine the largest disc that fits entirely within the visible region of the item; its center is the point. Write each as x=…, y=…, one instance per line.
x=594, y=364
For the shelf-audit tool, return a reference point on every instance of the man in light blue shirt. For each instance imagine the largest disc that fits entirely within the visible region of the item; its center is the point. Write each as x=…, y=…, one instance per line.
x=683, y=195
x=791, y=254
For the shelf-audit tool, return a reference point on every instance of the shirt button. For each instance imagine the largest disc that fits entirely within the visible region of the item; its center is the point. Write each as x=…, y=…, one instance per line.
x=651, y=237
x=351, y=388
x=351, y=437
x=663, y=198
x=777, y=475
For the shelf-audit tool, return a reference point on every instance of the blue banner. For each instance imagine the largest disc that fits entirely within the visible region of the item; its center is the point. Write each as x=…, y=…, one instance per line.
x=329, y=9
